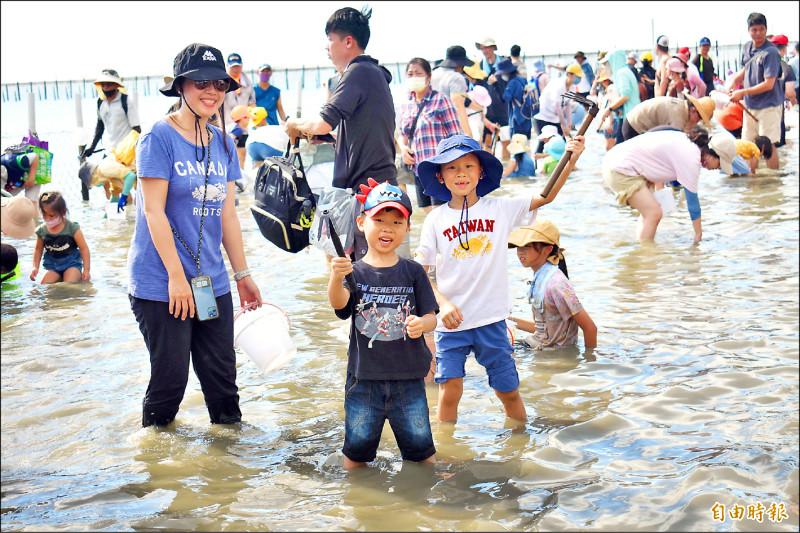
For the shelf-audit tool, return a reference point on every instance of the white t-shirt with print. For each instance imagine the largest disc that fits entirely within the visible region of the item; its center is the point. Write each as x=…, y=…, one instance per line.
x=475, y=280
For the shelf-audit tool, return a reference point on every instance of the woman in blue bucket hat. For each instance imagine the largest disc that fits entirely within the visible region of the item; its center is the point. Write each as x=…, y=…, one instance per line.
x=466, y=241
x=185, y=213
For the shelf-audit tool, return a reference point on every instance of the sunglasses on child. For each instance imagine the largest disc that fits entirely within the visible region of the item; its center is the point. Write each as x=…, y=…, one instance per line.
x=220, y=85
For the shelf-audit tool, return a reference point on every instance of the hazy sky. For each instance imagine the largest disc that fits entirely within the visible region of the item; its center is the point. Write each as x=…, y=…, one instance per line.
x=75, y=40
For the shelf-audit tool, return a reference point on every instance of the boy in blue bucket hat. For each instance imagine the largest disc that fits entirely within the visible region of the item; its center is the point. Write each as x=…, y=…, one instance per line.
x=390, y=308
x=466, y=242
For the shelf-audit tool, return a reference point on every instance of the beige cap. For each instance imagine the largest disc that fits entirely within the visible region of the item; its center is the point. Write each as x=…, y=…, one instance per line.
x=542, y=230
x=17, y=216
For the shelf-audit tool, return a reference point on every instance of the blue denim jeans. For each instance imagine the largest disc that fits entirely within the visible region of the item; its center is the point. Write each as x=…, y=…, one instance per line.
x=368, y=403
x=59, y=265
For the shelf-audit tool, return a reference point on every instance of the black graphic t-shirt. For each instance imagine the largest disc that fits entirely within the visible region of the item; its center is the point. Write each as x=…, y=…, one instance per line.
x=59, y=244
x=379, y=345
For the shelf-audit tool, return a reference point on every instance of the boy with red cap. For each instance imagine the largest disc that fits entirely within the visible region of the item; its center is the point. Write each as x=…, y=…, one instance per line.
x=786, y=80
x=390, y=308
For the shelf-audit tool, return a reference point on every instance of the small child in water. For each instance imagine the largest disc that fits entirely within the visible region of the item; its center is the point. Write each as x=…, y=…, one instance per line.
x=557, y=312
x=61, y=241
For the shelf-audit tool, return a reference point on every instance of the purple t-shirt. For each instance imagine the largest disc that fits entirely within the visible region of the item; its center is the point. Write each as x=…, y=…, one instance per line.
x=163, y=153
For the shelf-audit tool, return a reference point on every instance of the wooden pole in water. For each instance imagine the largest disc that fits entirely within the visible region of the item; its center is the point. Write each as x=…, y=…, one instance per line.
x=32, y=112
x=299, y=97
x=79, y=124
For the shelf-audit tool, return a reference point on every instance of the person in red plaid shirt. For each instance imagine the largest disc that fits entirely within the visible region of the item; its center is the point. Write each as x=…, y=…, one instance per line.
x=436, y=121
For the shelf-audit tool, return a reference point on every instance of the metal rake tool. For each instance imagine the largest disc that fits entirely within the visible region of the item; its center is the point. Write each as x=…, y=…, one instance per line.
x=584, y=126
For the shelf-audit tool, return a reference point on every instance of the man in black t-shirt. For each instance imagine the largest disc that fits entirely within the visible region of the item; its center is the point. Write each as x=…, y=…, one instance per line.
x=361, y=105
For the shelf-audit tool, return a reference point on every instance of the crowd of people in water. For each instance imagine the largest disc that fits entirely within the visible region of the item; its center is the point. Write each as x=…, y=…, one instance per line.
x=466, y=125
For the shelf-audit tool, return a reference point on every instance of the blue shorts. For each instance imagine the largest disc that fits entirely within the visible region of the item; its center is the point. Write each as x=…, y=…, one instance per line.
x=260, y=151
x=368, y=403
x=59, y=265
x=492, y=350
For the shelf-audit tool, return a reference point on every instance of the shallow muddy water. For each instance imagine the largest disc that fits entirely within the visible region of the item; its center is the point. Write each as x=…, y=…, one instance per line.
x=690, y=399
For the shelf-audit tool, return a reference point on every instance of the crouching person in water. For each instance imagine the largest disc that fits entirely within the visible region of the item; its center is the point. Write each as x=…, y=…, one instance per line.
x=184, y=211
x=390, y=308
x=557, y=312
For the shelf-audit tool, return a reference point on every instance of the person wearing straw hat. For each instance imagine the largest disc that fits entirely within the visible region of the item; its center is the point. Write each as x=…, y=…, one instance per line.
x=466, y=242
x=557, y=312
x=17, y=217
x=185, y=215
x=521, y=163
x=610, y=119
x=477, y=100
x=668, y=111
x=587, y=80
x=117, y=115
x=634, y=168
x=497, y=113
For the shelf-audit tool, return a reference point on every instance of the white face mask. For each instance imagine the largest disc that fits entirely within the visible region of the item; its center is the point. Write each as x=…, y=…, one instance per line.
x=505, y=77
x=416, y=84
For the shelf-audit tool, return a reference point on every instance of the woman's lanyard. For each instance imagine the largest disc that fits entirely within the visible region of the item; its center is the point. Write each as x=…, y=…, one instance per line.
x=540, y=279
x=202, y=211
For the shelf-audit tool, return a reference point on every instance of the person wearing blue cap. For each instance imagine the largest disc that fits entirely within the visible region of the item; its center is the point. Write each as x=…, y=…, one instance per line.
x=466, y=241
x=514, y=96
x=705, y=65
x=390, y=308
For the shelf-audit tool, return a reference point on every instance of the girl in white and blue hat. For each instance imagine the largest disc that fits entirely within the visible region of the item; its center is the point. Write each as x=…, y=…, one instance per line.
x=466, y=241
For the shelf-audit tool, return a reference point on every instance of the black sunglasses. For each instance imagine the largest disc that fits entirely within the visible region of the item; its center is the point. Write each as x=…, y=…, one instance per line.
x=220, y=85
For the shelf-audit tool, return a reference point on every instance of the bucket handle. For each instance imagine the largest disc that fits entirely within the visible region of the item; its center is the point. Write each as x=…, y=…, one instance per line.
x=253, y=305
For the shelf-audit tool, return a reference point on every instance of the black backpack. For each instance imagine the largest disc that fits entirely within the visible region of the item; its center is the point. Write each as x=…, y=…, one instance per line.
x=284, y=206
x=123, y=100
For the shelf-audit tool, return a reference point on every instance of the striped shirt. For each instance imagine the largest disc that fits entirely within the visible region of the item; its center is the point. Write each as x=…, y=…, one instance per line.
x=438, y=121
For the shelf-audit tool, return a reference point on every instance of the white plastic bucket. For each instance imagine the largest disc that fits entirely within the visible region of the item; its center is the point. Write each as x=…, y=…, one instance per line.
x=111, y=212
x=666, y=200
x=263, y=334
